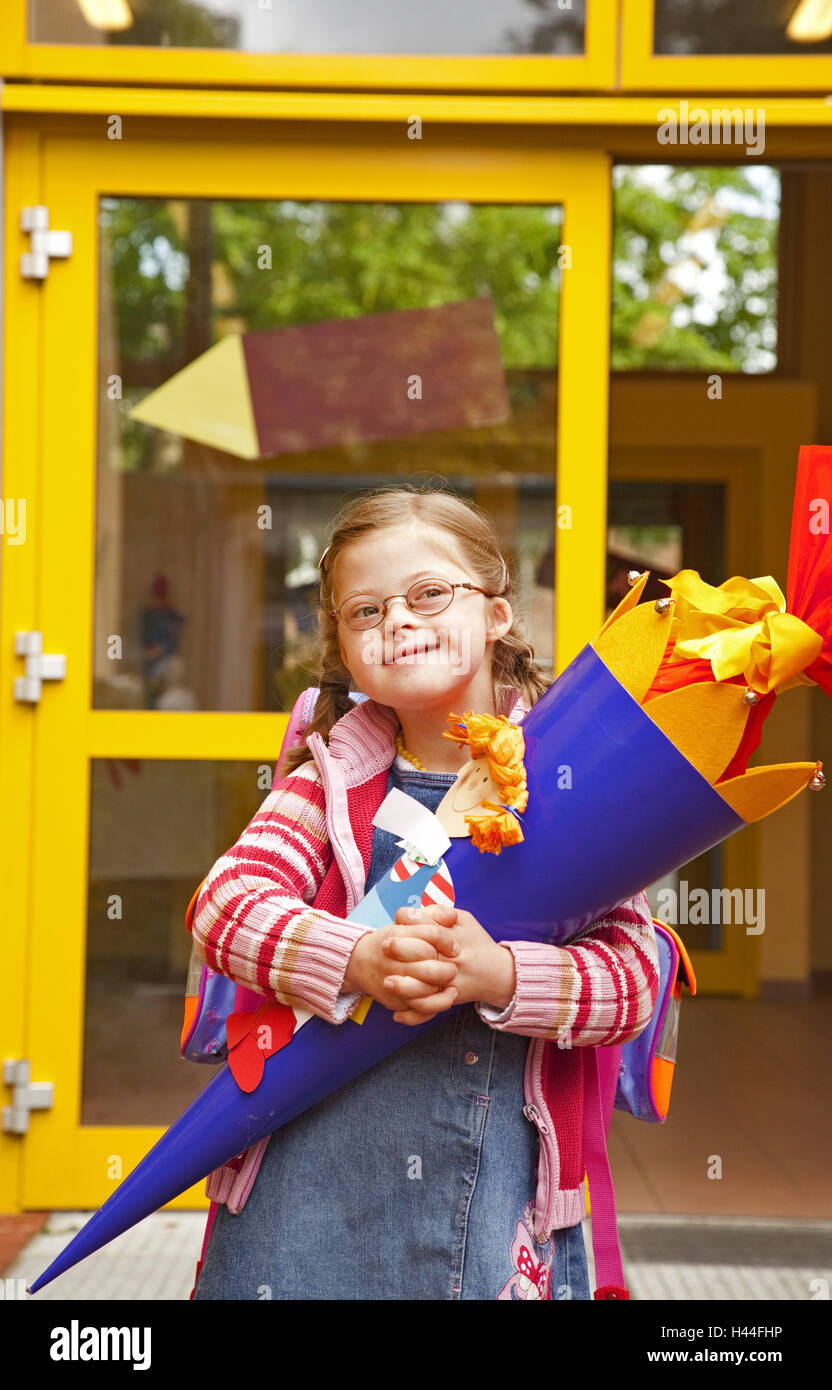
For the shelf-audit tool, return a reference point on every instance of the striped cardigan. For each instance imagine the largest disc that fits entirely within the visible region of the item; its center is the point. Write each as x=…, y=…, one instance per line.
x=271, y=917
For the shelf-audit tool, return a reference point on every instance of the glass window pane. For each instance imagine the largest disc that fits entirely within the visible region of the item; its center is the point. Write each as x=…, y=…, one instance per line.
x=737, y=27
x=695, y=268
x=318, y=26
x=207, y=585
x=666, y=527
x=156, y=827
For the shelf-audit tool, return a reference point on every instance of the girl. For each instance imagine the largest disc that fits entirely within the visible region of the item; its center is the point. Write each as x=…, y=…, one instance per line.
x=427, y=1177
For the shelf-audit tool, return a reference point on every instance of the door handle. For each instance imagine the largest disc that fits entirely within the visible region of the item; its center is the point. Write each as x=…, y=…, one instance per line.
x=27, y=1095
x=40, y=666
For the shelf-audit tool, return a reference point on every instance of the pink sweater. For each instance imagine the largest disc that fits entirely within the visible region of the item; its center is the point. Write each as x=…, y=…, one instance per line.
x=271, y=917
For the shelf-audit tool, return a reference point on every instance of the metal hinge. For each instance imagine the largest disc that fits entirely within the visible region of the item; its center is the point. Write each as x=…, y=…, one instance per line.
x=39, y=666
x=28, y=1095
x=34, y=264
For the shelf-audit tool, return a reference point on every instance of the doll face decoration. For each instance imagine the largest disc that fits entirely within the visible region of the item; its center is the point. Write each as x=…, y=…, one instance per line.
x=474, y=785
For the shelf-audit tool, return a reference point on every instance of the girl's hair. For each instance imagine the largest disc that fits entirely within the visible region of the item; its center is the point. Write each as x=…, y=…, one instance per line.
x=513, y=662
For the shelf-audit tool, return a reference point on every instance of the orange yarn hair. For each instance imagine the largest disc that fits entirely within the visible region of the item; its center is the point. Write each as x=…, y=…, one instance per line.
x=494, y=737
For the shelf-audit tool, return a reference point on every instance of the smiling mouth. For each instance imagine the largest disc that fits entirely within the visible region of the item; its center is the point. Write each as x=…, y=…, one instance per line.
x=407, y=652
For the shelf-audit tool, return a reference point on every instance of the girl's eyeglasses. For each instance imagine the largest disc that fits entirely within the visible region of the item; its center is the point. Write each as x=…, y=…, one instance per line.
x=426, y=597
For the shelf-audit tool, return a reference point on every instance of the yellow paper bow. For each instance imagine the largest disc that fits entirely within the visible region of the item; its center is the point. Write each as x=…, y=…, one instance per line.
x=742, y=628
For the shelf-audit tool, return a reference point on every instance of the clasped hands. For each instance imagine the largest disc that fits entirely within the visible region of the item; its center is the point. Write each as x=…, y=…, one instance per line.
x=429, y=959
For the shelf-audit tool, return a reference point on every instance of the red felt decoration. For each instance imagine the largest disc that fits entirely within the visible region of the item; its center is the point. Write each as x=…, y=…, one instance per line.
x=248, y=1046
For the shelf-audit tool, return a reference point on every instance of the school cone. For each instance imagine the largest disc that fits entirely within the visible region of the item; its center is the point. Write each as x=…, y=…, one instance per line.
x=613, y=805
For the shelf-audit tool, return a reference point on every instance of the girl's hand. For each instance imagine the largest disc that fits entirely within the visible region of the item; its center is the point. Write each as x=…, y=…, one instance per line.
x=419, y=957
x=484, y=969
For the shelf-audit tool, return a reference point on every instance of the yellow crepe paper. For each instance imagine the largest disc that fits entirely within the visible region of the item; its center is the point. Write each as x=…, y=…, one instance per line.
x=494, y=828
x=501, y=743
x=742, y=628
x=494, y=737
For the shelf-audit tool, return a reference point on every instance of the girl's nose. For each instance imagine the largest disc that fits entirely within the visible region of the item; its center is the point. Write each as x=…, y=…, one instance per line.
x=398, y=615
x=406, y=613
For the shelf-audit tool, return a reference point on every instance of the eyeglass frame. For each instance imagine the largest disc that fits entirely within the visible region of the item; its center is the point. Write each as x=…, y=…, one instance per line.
x=334, y=612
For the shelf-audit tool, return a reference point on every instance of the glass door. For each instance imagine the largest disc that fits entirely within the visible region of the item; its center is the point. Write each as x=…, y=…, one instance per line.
x=179, y=577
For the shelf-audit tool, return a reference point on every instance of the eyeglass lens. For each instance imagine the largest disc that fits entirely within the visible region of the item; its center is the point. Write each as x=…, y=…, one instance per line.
x=425, y=597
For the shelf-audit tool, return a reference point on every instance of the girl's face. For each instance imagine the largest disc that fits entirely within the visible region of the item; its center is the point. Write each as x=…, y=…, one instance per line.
x=414, y=660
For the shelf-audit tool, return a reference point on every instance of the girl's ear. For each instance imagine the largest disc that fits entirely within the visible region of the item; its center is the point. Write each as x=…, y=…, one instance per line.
x=500, y=618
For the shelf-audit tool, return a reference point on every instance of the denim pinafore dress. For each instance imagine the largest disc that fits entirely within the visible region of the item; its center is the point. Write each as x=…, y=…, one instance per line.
x=416, y=1180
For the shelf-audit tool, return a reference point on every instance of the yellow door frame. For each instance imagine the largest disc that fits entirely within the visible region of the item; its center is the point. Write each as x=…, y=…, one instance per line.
x=50, y=422
x=18, y=606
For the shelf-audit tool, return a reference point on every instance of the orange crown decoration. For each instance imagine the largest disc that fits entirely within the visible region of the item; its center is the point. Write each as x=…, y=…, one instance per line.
x=495, y=738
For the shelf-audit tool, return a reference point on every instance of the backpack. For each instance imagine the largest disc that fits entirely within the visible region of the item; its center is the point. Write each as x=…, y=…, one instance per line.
x=635, y=1077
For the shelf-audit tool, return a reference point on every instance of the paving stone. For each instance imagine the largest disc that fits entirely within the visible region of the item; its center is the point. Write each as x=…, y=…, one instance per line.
x=668, y=1258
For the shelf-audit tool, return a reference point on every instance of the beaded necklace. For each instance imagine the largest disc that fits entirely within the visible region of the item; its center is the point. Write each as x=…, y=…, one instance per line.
x=411, y=757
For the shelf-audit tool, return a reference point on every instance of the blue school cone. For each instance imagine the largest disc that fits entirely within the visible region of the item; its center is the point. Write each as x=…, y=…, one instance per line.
x=613, y=805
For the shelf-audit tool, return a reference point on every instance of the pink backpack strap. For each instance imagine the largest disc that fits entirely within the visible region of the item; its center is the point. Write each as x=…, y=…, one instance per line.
x=600, y=1079
x=303, y=712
